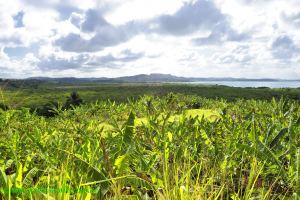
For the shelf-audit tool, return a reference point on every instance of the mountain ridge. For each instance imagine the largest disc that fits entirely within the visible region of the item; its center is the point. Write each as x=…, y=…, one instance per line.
x=153, y=77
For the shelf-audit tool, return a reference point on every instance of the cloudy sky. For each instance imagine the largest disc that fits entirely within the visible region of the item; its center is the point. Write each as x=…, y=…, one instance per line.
x=111, y=38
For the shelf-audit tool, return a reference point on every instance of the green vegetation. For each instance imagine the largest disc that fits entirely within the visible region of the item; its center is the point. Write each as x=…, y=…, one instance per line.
x=39, y=95
x=73, y=100
x=172, y=147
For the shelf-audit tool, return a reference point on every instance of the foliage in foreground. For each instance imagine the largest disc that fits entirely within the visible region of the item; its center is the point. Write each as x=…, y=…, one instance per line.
x=153, y=149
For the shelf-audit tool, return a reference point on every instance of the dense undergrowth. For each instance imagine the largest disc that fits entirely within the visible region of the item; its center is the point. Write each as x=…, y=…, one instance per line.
x=176, y=147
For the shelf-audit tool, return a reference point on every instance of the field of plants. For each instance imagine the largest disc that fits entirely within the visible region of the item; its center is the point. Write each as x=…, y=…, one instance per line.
x=38, y=95
x=172, y=147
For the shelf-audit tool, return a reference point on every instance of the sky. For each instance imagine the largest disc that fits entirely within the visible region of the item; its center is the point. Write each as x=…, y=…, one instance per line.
x=113, y=38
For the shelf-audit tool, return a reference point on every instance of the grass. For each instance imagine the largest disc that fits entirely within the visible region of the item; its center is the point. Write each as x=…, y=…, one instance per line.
x=153, y=148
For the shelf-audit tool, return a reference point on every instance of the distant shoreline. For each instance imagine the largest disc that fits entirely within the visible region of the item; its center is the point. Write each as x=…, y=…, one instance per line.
x=250, y=84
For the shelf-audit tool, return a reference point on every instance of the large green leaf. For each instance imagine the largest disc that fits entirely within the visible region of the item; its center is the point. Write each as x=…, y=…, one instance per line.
x=129, y=129
x=29, y=178
x=277, y=139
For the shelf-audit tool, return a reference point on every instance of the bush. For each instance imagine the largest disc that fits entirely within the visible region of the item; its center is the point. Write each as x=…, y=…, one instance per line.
x=73, y=100
x=3, y=106
x=194, y=105
x=48, y=110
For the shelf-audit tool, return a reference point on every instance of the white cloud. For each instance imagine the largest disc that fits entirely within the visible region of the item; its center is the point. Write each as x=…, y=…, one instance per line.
x=239, y=38
x=17, y=68
x=142, y=10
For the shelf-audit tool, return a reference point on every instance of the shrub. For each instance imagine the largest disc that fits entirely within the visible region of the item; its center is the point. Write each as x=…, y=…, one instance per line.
x=3, y=106
x=73, y=100
x=48, y=110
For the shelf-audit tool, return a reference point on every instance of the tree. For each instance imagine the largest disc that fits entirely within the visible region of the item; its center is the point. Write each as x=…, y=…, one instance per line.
x=73, y=100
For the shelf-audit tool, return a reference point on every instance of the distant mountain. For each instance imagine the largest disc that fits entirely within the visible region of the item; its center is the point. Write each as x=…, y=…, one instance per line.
x=124, y=79
x=142, y=78
x=151, y=78
x=35, y=82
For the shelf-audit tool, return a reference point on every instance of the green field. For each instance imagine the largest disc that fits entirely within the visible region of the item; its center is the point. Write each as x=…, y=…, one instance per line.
x=174, y=146
x=34, y=96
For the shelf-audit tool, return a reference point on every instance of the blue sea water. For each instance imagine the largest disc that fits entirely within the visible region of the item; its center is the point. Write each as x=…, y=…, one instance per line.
x=254, y=84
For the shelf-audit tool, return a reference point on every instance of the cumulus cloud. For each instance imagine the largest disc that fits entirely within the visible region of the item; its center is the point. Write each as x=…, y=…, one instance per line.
x=199, y=16
x=93, y=20
x=12, y=40
x=105, y=34
x=17, y=68
x=63, y=8
x=108, y=36
x=84, y=61
x=112, y=61
x=222, y=36
x=293, y=18
x=57, y=62
x=190, y=17
x=10, y=35
x=76, y=19
x=241, y=54
x=284, y=48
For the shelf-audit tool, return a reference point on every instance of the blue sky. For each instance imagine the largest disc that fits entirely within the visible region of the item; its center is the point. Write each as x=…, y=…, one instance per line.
x=196, y=38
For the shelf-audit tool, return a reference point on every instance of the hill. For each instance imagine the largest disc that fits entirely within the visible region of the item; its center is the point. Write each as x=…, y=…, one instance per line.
x=141, y=78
